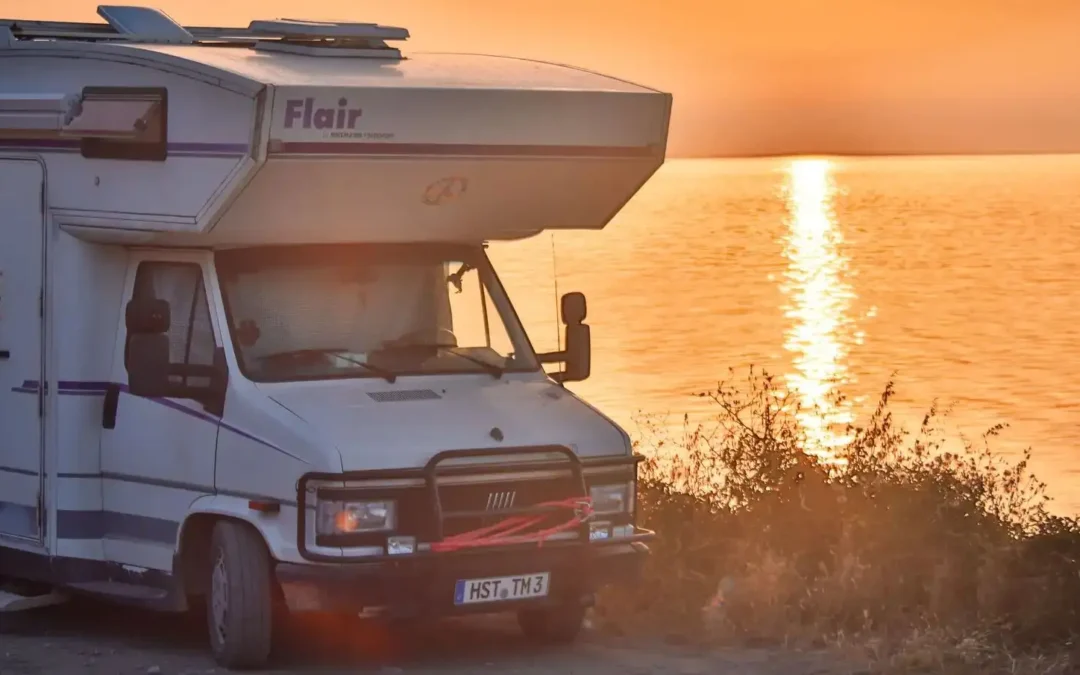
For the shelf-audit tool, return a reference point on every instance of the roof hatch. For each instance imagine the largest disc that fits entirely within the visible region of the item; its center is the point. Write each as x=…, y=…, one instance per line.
x=145, y=24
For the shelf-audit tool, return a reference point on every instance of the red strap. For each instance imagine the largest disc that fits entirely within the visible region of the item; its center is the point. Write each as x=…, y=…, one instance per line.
x=505, y=531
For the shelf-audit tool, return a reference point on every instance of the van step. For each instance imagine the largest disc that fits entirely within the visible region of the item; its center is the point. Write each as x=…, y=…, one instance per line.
x=13, y=602
x=120, y=590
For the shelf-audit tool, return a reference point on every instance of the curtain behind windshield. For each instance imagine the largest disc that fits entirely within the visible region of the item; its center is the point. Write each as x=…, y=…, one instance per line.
x=356, y=309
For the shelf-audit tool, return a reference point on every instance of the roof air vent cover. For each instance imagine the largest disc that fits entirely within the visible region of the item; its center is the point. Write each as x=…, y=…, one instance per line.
x=145, y=24
x=316, y=38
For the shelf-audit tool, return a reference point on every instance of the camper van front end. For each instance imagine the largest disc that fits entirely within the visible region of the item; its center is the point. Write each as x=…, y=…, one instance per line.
x=448, y=538
x=470, y=479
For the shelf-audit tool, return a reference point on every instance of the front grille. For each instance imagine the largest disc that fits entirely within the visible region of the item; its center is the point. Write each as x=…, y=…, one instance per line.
x=483, y=503
x=494, y=501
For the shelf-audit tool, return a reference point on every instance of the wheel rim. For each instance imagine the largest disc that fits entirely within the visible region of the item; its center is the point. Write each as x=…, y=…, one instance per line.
x=219, y=598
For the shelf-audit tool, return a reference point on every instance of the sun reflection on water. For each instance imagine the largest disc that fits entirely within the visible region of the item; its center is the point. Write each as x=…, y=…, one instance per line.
x=819, y=303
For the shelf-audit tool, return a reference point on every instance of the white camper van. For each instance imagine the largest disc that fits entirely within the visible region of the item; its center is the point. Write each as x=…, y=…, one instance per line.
x=253, y=354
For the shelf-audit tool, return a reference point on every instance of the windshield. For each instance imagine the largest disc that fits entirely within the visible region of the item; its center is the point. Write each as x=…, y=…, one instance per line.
x=322, y=312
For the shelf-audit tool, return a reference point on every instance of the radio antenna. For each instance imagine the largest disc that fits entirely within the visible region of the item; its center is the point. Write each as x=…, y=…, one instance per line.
x=555, y=276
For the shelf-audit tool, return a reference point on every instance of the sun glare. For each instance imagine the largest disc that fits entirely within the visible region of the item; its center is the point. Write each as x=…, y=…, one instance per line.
x=818, y=305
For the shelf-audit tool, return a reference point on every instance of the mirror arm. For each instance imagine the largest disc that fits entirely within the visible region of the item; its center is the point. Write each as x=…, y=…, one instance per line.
x=552, y=357
x=213, y=402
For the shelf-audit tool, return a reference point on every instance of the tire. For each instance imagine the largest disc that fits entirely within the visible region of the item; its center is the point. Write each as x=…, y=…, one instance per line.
x=239, y=604
x=552, y=626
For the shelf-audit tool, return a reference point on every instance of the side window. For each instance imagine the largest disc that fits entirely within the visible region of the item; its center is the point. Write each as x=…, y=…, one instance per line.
x=191, y=335
x=475, y=319
x=129, y=123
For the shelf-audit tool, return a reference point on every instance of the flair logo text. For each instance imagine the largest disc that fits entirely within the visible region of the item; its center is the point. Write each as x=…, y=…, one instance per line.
x=302, y=113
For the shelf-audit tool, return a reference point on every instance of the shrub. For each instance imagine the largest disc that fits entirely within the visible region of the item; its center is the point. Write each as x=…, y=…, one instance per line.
x=924, y=557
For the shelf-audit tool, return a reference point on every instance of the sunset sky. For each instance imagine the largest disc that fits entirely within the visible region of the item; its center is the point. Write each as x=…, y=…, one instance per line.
x=762, y=76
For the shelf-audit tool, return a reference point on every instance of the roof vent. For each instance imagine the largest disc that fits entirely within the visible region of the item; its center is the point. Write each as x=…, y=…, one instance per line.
x=145, y=24
x=317, y=38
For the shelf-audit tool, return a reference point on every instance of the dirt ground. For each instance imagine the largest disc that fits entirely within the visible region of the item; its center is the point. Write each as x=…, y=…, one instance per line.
x=90, y=638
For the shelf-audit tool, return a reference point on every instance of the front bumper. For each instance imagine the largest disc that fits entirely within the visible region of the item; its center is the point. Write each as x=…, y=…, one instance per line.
x=423, y=585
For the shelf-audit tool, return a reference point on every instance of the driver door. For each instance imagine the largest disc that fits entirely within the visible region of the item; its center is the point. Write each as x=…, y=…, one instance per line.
x=159, y=455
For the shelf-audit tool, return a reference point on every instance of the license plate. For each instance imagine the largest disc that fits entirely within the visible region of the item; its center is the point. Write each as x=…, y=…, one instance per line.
x=501, y=589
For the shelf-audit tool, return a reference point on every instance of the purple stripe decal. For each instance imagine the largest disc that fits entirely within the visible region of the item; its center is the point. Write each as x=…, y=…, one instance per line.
x=91, y=388
x=372, y=149
x=455, y=149
x=240, y=148
x=40, y=143
x=72, y=145
x=67, y=387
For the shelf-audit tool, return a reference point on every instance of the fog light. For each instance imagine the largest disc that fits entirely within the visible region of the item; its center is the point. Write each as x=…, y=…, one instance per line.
x=623, y=531
x=400, y=545
x=599, y=531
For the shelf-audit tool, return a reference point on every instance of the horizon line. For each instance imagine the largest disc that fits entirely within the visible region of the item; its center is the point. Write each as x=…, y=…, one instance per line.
x=867, y=155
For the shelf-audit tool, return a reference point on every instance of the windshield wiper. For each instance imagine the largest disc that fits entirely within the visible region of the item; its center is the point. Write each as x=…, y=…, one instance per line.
x=388, y=375
x=338, y=352
x=494, y=370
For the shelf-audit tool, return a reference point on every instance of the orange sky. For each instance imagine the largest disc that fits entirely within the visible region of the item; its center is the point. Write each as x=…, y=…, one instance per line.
x=762, y=76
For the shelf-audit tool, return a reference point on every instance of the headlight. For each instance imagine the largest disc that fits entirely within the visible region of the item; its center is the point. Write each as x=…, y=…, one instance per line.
x=610, y=499
x=334, y=517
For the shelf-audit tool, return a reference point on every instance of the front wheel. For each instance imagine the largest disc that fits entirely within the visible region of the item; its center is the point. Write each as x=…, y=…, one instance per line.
x=240, y=603
x=553, y=626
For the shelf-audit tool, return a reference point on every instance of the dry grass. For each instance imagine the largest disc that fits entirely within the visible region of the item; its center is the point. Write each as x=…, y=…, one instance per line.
x=910, y=557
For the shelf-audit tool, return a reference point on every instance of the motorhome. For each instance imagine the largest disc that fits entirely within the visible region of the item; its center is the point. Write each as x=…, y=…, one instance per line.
x=254, y=356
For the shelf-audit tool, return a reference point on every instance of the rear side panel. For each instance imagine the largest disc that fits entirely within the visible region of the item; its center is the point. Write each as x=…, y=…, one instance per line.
x=210, y=129
x=22, y=338
x=87, y=285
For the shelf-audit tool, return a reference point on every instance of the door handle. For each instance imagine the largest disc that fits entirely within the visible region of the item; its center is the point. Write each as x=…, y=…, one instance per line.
x=4, y=355
x=108, y=411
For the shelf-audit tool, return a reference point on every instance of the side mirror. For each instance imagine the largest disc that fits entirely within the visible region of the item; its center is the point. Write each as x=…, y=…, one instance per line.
x=148, y=364
x=147, y=354
x=577, y=356
x=147, y=317
x=574, y=308
x=578, y=353
x=150, y=372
